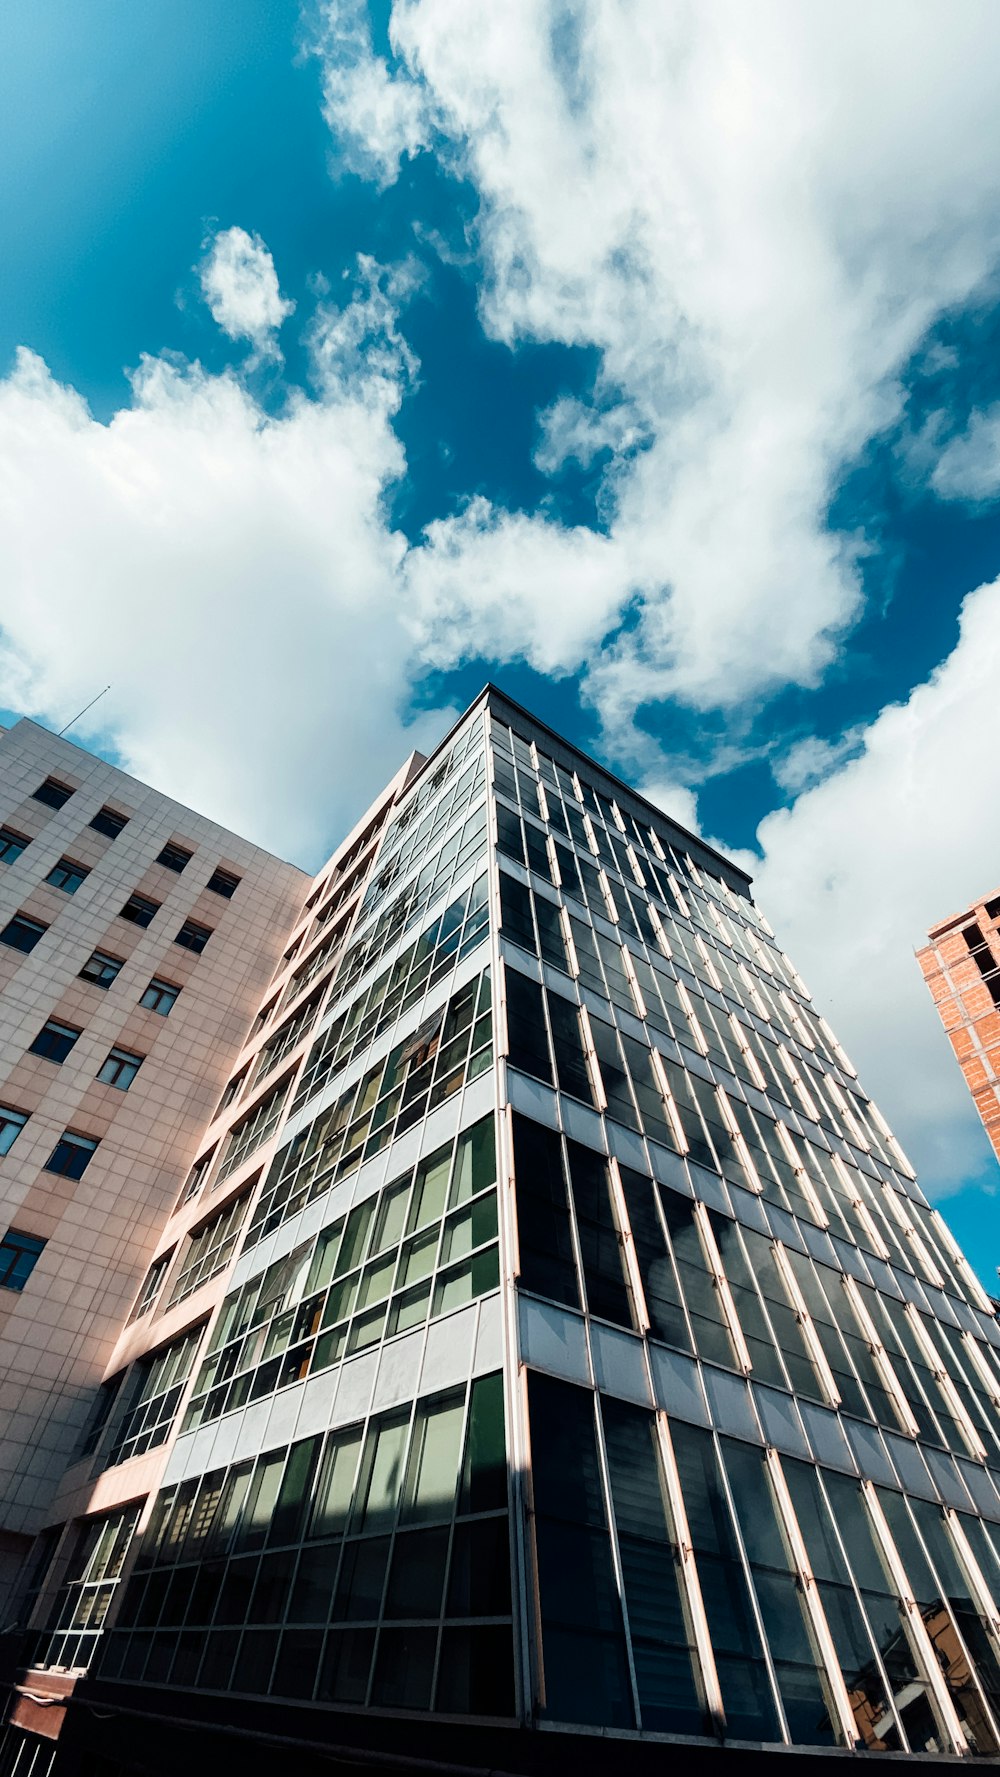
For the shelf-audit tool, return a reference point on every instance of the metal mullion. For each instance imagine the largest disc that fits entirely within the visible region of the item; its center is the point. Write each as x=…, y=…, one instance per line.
x=722, y=1286
x=673, y=1114
x=629, y=1255
x=751, y=1589
x=810, y=1593
x=616, y=1558
x=689, y=1577
x=883, y=1364
x=936, y=1364
x=818, y=1356
x=957, y=1630
x=526, y=1631
x=947, y=1714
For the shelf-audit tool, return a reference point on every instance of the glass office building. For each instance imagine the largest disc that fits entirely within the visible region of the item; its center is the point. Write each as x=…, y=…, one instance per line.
x=551, y=1354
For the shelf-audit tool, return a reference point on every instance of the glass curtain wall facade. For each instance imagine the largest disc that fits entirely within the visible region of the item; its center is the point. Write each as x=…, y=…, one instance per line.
x=587, y=1356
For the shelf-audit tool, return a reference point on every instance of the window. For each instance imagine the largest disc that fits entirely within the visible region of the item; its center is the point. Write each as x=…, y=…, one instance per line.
x=67, y=876
x=11, y=845
x=197, y=1176
x=101, y=969
x=11, y=1125
x=52, y=793
x=120, y=1069
x=54, y=1040
x=152, y=1396
x=193, y=936
x=210, y=1249
x=233, y=1089
x=223, y=882
x=159, y=997
x=22, y=933
x=140, y=910
x=174, y=857
x=255, y=1128
x=71, y=1155
x=19, y=1254
x=151, y=1285
x=108, y=822
x=95, y=1568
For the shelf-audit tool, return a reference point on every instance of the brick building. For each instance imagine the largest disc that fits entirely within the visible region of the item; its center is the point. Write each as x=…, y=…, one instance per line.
x=961, y=965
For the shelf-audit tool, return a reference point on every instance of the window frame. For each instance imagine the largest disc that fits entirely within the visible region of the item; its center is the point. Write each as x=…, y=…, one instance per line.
x=161, y=986
x=169, y=855
x=193, y=928
x=54, y=1027
x=21, y=1244
x=115, y=823
x=35, y=928
x=62, y=793
x=10, y=837
x=71, y=869
x=140, y=904
x=74, y=1142
x=105, y=957
x=123, y=1059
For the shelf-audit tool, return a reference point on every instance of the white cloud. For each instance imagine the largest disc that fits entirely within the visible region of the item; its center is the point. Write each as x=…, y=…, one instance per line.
x=968, y=467
x=240, y=285
x=573, y=432
x=863, y=864
x=811, y=759
x=379, y=118
x=754, y=214
x=231, y=573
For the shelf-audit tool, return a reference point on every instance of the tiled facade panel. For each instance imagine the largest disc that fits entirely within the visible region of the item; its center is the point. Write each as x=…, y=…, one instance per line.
x=99, y=1229
x=549, y=1330
x=961, y=965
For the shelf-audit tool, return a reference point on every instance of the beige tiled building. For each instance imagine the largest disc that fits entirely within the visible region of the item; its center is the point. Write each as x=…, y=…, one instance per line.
x=80, y=841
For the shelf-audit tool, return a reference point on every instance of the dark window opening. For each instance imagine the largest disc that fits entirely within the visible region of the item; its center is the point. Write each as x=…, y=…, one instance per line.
x=53, y=793
x=175, y=857
x=109, y=822
x=140, y=910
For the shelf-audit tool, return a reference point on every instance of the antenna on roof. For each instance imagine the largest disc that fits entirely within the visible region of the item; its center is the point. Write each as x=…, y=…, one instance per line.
x=83, y=712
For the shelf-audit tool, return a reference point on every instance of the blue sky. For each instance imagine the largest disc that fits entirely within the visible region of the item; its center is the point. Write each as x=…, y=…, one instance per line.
x=662, y=390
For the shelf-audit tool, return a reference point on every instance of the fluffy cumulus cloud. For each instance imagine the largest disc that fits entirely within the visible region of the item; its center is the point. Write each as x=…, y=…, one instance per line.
x=862, y=864
x=230, y=572
x=240, y=285
x=754, y=214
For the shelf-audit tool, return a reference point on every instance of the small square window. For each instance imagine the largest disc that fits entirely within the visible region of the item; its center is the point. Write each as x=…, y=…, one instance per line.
x=53, y=793
x=71, y=1155
x=22, y=933
x=101, y=969
x=19, y=1254
x=54, y=1040
x=193, y=936
x=11, y=1125
x=159, y=997
x=67, y=876
x=175, y=857
x=11, y=845
x=993, y=909
x=223, y=882
x=109, y=822
x=120, y=1069
x=140, y=910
